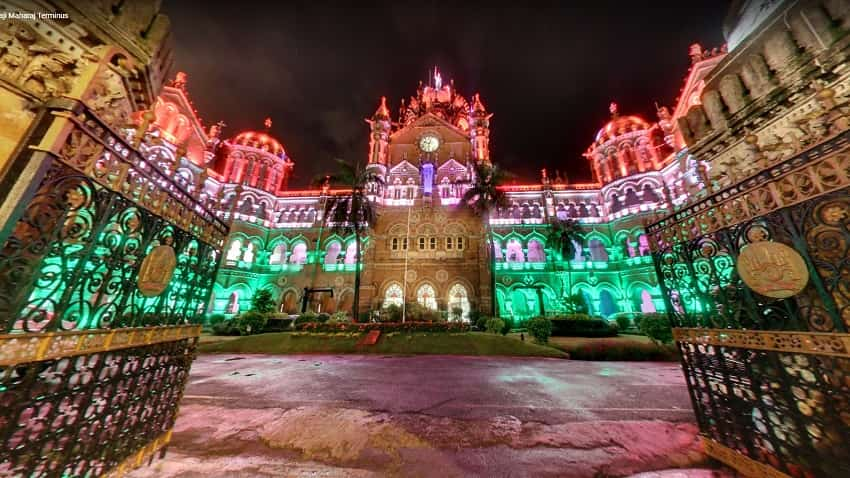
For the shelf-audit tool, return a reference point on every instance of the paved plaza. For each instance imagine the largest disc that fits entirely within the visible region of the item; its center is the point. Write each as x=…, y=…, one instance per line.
x=365, y=416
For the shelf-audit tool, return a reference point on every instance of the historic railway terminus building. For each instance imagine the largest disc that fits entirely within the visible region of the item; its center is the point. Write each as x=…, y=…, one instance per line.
x=424, y=248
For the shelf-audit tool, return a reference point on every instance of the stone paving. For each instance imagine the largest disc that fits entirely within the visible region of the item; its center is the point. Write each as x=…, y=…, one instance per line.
x=440, y=416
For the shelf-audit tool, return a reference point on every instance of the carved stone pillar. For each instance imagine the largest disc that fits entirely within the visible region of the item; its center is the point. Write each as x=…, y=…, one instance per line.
x=839, y=10
x=715, y=110
x=756, y=76
x=733, y=93
x=780, y=50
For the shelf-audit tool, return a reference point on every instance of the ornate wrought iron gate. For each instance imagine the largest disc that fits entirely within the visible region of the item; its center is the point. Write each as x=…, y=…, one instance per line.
x=769, y=377
x=105, y=273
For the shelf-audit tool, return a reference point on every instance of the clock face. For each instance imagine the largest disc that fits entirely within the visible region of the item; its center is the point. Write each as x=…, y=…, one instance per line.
x=429, y=143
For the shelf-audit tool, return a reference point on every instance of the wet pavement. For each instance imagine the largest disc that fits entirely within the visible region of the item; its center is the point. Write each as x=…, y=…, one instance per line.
x=252, y=415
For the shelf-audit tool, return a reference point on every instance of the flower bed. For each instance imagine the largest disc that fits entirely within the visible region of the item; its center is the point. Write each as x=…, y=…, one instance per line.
x=384, y=327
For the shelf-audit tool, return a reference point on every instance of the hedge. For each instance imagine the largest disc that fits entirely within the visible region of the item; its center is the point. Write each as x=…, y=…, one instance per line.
x=384, y=327
x=564, y=327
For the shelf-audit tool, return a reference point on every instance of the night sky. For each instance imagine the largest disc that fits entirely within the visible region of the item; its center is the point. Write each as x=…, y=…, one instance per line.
x=548, y=72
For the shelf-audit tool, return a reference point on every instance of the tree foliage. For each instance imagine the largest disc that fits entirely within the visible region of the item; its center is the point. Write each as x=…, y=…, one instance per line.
x=262, y=302
x=657, y=327
x=352, y=212
x=561, y=237
x=541, y=329
x=482, y=197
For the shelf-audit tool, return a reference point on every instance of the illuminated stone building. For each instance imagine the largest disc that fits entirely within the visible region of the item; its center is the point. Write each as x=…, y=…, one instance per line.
x=425, y=248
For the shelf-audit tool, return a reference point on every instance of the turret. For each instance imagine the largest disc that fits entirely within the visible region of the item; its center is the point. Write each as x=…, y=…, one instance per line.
x=379, y=141
x=479, y=129
x=256, y=159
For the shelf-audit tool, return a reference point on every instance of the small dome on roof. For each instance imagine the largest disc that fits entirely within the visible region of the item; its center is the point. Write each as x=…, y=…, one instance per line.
x=260, y=140
x=620, y=125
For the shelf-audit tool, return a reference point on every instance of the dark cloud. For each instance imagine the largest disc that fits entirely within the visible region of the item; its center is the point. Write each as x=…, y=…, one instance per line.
x=547, y=70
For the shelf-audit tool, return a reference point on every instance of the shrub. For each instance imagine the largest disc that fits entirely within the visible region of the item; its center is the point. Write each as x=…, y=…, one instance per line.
x=251, y=322
x=323, y=317
x=570, y=327
x=361, y=327
x=305, y=317
x=657, y=327
x=214, y=319
x=540, y=328
x=225, y=327
x=262, y=302
x=495, y=325
x=340, y=317
x=576, y=304
x=419, y=313
x=456, y=313
x=623, y=322
x=391, y=313
x=578, y=316
x=481, y=322
x=509, y=325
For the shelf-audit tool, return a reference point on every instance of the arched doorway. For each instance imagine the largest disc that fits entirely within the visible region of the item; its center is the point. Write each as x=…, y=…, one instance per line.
x=328, y=304
x=647, y=306
x=289, y=304
x=346, y=302
x=607, y=304
x=458, y=300
x=233, y=303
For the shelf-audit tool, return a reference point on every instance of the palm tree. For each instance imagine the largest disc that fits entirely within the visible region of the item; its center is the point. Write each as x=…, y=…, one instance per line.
x=353, y=212
x=482, y=197
x=561, y=237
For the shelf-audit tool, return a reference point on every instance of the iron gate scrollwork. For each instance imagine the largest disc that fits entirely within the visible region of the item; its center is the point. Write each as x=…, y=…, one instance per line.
x=769, y=378
x=91, y=369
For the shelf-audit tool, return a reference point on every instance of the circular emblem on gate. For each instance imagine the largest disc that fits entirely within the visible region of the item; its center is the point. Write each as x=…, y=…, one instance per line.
x=773, y=269
x=156, y=271
x=442, y=275
x=339, y=281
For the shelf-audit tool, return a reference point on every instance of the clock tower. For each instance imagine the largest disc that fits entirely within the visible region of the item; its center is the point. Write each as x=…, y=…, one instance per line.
x=424, y=248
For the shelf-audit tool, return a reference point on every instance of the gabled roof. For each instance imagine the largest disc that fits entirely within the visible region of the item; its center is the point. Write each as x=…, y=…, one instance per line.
x=404, y=168
x=694, y=83
x=426, y=120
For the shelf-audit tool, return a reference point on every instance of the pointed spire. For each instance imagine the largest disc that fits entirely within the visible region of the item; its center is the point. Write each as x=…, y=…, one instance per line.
x=614, y=111
x=382, y=113
x=267, y=123
x=477, y=105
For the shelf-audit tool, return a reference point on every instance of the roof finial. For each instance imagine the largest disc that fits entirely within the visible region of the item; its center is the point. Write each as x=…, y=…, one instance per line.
x=438, y=79
x=268, y=124
x=180, y=80
x=613, y=109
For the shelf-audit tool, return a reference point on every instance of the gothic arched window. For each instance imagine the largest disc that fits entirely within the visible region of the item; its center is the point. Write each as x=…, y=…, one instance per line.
x=278, y=254
x=426, y=297
x=394, y=295
x=235, y=251
x=459, y=299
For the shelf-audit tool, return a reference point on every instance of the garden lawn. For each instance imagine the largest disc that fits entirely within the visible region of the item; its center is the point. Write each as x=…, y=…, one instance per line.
x=621, y=347
x=465, y=343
